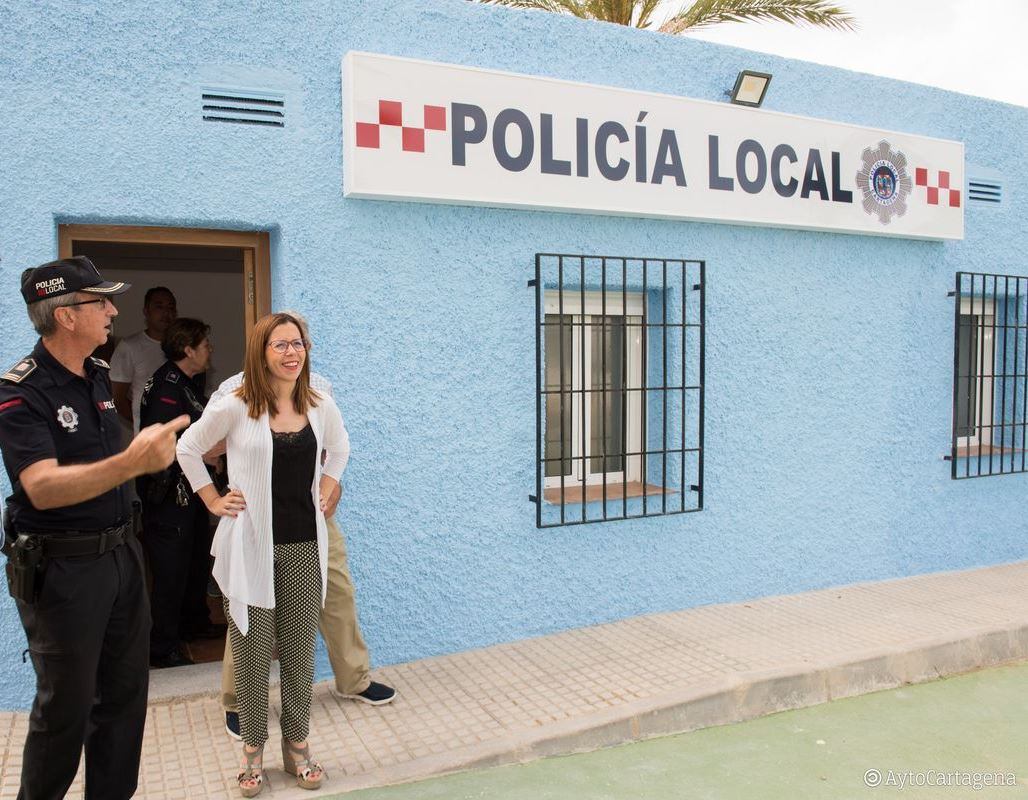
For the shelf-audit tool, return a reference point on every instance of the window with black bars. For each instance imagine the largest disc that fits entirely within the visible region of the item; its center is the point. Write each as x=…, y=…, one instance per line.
x=990, y=375
x=619, y=387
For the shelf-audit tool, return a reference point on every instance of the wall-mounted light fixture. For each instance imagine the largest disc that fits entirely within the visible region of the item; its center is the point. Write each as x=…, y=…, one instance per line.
x=750, y=88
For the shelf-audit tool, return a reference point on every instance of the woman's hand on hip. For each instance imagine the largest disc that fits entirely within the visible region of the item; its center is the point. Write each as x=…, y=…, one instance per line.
x=228, y=505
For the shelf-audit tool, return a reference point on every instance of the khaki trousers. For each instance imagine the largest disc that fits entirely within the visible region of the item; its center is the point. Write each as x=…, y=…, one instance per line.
x=347, y=651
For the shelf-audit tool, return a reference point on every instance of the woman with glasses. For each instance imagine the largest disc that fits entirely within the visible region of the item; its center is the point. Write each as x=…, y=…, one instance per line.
x=270, y=549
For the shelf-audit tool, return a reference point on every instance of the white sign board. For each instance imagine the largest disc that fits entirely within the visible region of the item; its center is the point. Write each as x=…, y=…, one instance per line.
x=424, y=131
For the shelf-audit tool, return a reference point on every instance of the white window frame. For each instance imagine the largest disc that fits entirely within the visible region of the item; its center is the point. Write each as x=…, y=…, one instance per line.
x=628, y=305
x=985, y=309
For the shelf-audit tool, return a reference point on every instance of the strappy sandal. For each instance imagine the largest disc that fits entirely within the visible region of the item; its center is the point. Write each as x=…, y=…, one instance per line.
x=252, y=770
x=297, y=762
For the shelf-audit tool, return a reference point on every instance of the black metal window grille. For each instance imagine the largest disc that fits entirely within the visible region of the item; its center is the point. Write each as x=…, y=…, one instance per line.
x=990, y=375
x=619, y=387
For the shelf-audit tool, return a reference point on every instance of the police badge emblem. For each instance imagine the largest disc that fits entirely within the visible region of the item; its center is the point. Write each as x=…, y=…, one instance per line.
x=68, y=418
x=884, y=182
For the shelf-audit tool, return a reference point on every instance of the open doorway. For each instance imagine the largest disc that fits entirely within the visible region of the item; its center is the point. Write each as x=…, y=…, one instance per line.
x=226, y=274
x=220, y=277
x=207, y=283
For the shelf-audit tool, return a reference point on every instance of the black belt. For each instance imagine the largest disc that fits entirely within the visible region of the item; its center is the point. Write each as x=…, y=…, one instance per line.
x=82, y=543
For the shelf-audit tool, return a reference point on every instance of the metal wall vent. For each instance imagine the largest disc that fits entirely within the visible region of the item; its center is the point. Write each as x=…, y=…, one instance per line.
x=984, y=185
x=244, y=106
x=984, y=191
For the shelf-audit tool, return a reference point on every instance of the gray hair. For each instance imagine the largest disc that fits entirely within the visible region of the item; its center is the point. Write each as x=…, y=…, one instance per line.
x=41, y=313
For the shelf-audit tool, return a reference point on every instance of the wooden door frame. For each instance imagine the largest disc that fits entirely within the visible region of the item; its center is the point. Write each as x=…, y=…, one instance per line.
x=254, y=244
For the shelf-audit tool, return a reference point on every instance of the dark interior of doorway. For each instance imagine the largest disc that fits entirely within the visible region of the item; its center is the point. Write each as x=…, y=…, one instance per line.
x=208, y=285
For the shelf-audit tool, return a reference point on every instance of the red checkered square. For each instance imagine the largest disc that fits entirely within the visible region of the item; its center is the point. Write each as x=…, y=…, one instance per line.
x=390, y=112
x=940, y=193
x=367, y=135
x=435, y=118
x=414, y=140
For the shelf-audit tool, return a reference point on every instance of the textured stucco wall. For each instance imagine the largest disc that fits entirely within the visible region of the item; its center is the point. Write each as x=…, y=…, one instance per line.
x=829, y=356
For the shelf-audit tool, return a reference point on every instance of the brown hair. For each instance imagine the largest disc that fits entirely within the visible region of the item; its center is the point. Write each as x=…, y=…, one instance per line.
x=256, y=390
x=182, y=333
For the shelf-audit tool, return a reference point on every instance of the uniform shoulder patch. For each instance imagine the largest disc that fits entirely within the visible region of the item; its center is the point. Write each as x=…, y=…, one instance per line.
x=171, y=376
x=20, y=371
x=99, y=362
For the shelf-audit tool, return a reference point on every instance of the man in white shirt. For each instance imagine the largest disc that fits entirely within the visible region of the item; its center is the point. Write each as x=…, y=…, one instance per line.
x=137, y=357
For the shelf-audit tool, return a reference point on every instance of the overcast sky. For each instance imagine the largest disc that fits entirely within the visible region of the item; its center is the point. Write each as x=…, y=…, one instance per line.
x=971, y=46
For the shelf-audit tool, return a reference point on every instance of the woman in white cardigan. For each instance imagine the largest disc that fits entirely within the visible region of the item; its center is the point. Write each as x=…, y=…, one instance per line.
x=270, y=549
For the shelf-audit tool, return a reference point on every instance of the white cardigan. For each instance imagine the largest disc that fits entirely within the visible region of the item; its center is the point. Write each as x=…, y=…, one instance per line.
x=243, y=547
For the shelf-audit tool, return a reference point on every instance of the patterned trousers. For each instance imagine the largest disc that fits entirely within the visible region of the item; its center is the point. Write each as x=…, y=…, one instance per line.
x=347, y=652
x=293, y=623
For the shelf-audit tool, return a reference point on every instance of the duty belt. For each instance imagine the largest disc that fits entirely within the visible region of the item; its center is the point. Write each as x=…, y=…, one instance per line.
x=82, y=543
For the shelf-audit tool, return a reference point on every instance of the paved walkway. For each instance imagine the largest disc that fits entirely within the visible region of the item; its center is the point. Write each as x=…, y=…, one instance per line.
x=602, y=685
x=961, y=738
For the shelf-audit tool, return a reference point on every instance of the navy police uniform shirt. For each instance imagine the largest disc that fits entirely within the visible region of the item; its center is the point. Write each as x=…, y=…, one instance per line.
x=48, y=412
x=169, y=393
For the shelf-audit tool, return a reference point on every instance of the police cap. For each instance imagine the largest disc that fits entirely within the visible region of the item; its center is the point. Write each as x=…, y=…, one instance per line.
x=77, y=274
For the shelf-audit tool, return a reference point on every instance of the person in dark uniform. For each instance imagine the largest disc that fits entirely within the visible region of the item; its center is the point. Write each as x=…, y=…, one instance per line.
x=176, y=525
x=73, y=566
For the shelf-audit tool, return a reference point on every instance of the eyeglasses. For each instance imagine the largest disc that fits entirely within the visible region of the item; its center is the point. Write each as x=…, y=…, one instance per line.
x=281, y=345
x=103, y=301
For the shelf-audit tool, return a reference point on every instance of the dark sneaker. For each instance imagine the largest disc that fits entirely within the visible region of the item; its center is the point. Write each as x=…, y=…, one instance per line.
x=232, y=725
x=176, y=658
x=377, y=694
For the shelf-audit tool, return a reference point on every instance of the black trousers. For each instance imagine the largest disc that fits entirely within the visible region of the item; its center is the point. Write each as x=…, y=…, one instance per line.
x=87, y=634
x=177, y=541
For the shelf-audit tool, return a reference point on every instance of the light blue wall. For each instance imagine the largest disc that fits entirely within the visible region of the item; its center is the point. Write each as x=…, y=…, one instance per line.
x=829, y=357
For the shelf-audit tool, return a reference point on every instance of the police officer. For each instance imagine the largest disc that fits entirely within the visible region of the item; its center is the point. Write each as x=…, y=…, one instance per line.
x=176, y=525
x=73, y=566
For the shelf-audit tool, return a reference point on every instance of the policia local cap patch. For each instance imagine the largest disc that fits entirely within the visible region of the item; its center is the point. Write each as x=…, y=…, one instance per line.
x=77, y=274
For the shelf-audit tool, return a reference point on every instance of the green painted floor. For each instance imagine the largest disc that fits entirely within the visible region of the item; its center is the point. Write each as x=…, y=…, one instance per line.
x=941, y=732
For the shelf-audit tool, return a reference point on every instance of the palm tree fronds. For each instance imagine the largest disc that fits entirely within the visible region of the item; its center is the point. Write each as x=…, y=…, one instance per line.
x=703, y=13
x=636, y=13
x=699, y=14
x=646, y=9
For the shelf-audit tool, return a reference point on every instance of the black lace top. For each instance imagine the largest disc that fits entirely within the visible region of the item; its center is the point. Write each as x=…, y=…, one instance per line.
x=294, y=458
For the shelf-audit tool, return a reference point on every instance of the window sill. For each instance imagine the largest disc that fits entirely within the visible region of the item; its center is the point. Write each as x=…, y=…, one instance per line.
x=594, y=492
x=972, y=451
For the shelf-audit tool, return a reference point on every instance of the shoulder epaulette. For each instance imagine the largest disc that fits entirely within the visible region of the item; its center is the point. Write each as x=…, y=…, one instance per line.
x=20, y=371
x=99, y=362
